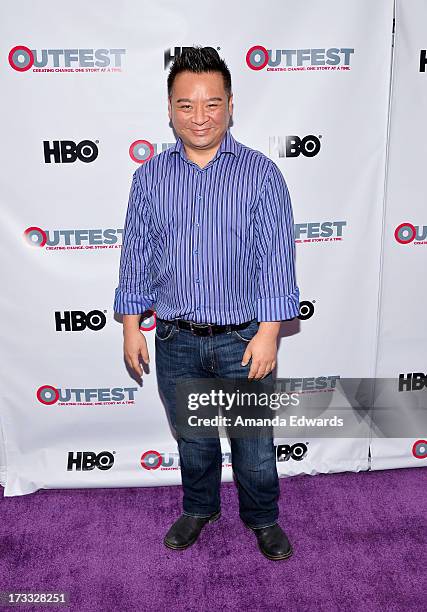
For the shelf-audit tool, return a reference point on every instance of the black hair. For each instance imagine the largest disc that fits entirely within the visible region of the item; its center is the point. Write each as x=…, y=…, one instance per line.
x=199, y=59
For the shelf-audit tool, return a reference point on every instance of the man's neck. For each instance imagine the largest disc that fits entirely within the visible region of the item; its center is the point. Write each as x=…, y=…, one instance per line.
x=201, y=158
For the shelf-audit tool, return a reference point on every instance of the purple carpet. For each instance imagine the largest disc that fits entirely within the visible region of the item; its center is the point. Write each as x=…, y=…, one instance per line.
x=359, y=543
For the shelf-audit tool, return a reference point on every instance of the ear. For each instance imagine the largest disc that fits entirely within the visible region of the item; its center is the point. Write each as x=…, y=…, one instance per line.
x=169, y=108
x=230, y=105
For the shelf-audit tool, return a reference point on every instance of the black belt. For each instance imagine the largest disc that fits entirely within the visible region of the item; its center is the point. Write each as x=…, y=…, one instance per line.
x=205, y=329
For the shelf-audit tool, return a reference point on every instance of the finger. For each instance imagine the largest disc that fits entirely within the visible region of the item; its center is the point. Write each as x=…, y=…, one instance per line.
x=246, y=357
x=261, y=372
x=253, y=371
x=268, y=369
x=133, y=363
x=144, y=354
x=273, y=365
x=137, y=367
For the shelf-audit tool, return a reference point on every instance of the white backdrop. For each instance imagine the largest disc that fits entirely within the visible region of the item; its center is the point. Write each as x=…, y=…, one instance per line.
x=402, y=332
x=74, y=120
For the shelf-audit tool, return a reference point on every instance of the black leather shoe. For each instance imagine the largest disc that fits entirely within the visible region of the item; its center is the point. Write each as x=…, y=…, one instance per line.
x=185, y=531
x=273, y=542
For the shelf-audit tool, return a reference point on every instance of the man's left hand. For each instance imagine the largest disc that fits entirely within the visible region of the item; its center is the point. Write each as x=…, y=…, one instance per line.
x=263, y=350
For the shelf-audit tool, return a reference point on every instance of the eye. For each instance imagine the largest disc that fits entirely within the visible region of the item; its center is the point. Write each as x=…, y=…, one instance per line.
x=185, y=106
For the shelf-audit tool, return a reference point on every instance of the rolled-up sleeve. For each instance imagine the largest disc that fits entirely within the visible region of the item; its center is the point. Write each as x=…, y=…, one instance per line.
x=278, y=293
x=133, y=294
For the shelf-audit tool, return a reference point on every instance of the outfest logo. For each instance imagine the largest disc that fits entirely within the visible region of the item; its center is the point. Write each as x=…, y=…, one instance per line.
x=154, y=460
x=320, y=231
x=49, y=395
x=285, y=60
x=142, y=151
x=407, y=233
x=73, y=239
x=148, y=321
x=419, y=449
x=315, y=384
x=22, y=59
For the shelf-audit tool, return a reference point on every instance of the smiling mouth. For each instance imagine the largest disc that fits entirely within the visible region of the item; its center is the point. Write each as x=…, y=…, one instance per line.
x=201, y=131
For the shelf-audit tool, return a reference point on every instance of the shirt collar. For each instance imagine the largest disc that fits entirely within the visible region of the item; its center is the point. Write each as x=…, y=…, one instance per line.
x=228, y=145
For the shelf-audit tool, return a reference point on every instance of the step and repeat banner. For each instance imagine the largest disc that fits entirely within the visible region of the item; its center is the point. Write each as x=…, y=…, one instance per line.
x=402, y=330
x=86, y=104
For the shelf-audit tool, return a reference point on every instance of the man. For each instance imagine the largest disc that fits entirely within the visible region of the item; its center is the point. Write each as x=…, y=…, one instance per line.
x=209, y=241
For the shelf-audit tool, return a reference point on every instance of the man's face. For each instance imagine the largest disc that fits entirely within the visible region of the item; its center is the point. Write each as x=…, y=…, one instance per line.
x=199, y=109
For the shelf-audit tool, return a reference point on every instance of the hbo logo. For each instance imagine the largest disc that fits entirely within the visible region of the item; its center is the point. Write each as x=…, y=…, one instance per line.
x=309, y=146
x=67, y=151
x=297, y=451
x=89, y=461
x=77, y=320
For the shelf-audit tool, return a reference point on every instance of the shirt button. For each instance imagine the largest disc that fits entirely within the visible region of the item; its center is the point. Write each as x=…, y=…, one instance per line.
x=196, y=224
x=195, y=251
x=197, y=280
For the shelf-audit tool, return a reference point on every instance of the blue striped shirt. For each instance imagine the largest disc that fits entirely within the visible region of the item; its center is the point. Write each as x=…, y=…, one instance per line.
x=209, y=245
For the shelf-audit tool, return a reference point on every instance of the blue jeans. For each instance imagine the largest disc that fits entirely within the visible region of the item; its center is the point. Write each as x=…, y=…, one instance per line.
x=181, y=354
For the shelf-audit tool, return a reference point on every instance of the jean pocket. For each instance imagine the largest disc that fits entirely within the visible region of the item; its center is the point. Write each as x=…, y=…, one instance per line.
x=246, y=334
x=165, y=330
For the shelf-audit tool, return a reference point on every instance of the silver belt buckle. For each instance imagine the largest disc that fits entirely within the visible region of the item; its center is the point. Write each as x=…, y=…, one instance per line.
x=199, y=325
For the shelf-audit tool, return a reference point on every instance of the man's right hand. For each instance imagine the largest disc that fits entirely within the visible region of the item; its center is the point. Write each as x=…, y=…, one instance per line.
x=134, y=344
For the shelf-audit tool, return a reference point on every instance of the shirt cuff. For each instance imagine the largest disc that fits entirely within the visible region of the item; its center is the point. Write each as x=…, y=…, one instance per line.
x=131, y=303
x=278, y=308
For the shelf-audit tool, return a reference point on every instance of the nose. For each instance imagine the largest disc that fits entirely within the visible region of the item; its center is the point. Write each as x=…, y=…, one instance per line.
x=199, y=115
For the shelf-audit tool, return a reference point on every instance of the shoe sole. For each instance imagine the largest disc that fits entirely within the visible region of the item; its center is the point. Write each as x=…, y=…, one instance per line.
x=171, y=546
x=272, y=558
